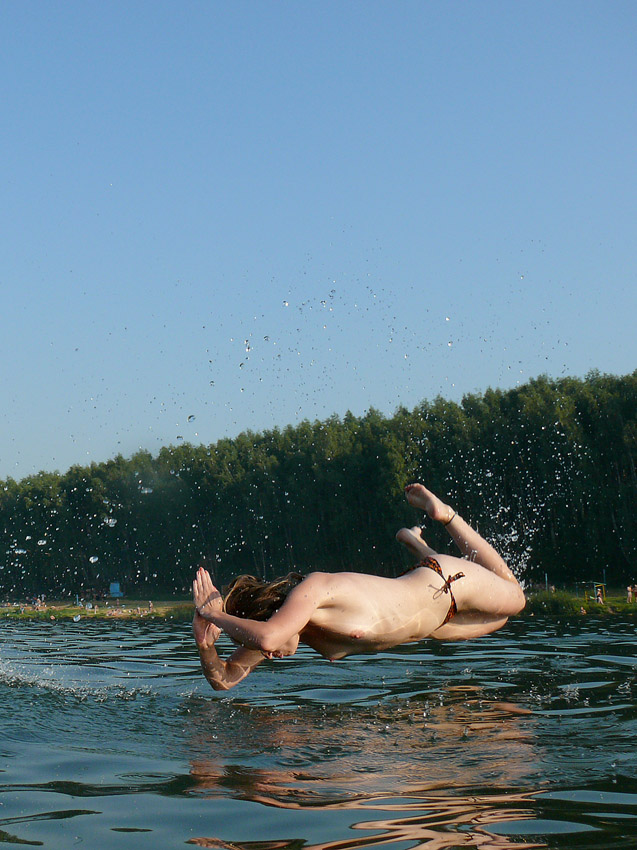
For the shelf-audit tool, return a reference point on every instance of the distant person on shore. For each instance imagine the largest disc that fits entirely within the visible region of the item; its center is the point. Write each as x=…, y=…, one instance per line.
x=629, y=593
x=341, y=614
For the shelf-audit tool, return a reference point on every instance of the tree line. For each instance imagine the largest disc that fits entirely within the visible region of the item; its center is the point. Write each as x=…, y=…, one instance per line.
x=546, y=471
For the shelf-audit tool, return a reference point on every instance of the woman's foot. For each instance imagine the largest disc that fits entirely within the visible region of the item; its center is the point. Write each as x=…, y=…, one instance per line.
x=419, y=497
x=413, y=539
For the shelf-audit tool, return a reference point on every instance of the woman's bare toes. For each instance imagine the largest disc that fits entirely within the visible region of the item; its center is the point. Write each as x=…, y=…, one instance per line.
x=419, y=497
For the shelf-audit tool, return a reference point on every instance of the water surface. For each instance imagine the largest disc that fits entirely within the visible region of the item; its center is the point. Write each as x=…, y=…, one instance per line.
x=111, y=738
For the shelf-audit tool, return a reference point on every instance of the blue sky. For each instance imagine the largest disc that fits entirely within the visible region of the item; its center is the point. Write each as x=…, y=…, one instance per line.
x=221, y=216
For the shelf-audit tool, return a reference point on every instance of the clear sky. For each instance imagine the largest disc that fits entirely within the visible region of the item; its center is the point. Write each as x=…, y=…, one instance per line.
x=221, y=216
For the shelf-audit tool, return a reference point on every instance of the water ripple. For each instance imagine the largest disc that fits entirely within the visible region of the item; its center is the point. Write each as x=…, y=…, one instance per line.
x=521, y=739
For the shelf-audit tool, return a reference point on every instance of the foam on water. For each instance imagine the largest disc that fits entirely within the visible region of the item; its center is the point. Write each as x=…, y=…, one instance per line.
x=48, y=680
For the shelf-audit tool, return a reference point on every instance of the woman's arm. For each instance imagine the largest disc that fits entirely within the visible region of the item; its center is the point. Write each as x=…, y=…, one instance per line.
x=222, y=675
x=267, y=636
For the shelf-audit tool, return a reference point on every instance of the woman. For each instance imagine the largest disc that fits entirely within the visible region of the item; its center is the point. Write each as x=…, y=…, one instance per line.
x=339, y=614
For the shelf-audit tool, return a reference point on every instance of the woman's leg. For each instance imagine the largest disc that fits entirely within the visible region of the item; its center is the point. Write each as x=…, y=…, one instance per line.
x=488, y=592
x=467, y=539
x=413, y=539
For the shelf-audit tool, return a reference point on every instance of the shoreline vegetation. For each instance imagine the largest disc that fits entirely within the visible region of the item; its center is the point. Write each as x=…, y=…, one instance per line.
x=128, y=609
x=546, y=471
x=565, y=603
x=544, y=602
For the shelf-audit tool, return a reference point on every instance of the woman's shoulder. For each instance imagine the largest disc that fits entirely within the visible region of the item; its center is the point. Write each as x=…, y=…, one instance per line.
x=319, y=583
x=314, y=590
x=316, y=579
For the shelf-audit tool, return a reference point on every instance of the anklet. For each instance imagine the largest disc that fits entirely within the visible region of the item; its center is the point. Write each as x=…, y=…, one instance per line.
x=455, y=514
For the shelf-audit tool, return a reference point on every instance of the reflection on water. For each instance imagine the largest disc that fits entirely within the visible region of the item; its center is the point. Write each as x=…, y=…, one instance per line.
x=441, y=823
x=412, y=749
x=335, y=756
x=110, y=737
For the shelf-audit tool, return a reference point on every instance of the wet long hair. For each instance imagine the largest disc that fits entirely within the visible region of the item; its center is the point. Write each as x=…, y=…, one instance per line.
x=253, y=599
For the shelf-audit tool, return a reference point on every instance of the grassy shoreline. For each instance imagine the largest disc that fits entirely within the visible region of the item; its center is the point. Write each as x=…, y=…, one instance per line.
x=562, y=602
x=129, y=609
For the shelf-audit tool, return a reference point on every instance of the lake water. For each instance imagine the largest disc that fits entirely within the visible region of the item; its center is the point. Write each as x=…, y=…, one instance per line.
x=110, y=738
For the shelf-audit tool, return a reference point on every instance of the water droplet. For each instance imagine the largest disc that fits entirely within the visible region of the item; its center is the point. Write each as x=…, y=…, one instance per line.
x=93, y=559
x=147, y=490
x=42, y=542
x=286, y=303
x=450, y=343
x=192, y=417
x=110, y=521
x=77, y=618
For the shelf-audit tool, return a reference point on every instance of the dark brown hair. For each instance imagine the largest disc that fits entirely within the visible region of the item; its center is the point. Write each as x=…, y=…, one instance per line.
x=253, y=599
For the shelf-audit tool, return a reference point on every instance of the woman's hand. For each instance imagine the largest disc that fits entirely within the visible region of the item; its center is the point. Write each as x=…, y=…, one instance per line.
x=205, y=633
x=207, y=598
x=207, y=601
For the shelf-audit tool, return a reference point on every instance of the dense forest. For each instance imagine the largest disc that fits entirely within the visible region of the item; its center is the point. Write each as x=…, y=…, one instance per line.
x=546, y=471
